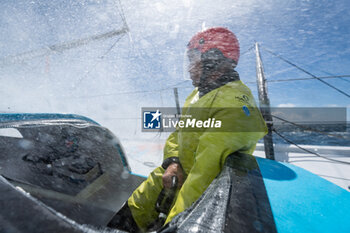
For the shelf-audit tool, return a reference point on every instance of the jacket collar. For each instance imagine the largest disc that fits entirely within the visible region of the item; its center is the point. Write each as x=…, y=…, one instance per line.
x=224, y=79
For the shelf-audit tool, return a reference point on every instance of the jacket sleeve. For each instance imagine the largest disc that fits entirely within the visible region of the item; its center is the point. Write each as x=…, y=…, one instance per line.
x=171, y=146
x=212, y=150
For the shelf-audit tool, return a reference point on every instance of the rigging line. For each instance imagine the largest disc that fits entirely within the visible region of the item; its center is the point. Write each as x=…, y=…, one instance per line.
x=97, y=62
x=57, y=48
x=342, y=78
x=309, y=129
x=330, y=74
x=248, y=50
x=110, y=48
x=117, y=93
x=302, y=79
x=334, y=75
x=175, y=85
x=131, y=92
x=121, y=13
x=308, y=151
x=307, y=72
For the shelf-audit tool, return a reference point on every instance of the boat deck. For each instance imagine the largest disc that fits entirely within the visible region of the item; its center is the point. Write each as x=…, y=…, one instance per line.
x=337, y=173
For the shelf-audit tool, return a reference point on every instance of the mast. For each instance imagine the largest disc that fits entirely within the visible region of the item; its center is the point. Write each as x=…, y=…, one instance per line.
x=264, y=104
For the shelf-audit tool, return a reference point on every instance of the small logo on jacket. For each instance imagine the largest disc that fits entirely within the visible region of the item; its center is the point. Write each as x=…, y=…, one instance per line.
x=246, y=110
x=152, y=119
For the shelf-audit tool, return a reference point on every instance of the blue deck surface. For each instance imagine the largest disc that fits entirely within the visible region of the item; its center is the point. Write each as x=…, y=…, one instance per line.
x=304, y=202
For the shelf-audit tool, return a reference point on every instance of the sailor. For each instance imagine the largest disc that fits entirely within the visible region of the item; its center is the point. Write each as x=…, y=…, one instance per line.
x=197, y=157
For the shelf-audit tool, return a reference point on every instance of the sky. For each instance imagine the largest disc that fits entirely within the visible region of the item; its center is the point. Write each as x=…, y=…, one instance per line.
x=110, y=80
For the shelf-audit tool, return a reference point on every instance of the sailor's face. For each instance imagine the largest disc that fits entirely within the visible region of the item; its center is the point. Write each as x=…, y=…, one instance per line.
x=195, y=66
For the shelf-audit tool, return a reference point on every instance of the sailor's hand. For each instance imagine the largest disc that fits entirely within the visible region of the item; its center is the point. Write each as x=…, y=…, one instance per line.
x=173, y=169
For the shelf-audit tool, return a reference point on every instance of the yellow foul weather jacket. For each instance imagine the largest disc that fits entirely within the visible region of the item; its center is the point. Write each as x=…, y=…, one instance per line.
x=202, y=152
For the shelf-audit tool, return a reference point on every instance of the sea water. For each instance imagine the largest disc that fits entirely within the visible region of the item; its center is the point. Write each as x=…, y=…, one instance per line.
x=323, y=135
